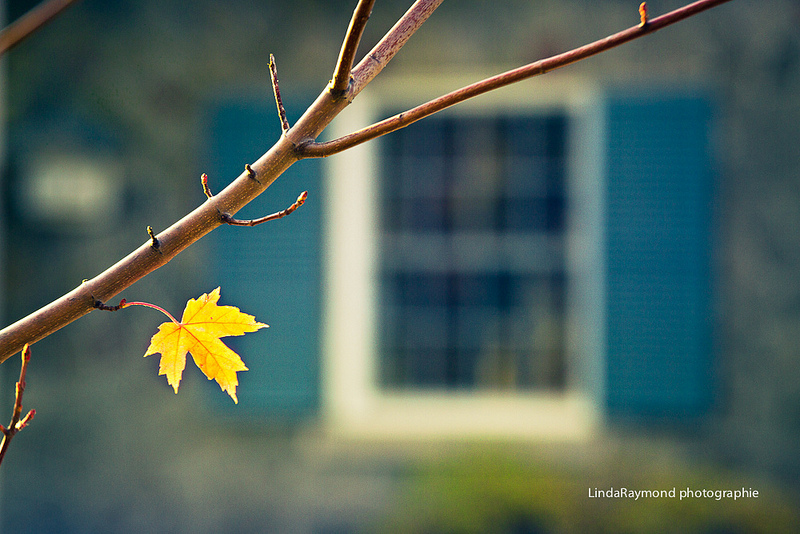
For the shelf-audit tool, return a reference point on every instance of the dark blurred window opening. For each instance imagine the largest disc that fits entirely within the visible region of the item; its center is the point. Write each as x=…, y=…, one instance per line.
x=472, y=268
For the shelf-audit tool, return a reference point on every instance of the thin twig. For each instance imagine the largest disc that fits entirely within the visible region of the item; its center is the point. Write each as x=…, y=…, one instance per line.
x=341, y=76
x=401, y=120
x=154, y=243
x=206, y=189
x=251, y=173
x=273, y=76
x=31, y=21
x=16, y=423
x=227, y=219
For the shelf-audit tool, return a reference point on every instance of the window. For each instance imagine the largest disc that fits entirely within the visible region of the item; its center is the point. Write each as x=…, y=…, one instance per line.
x=471, y=267
x=449, y=276
x=516, y=266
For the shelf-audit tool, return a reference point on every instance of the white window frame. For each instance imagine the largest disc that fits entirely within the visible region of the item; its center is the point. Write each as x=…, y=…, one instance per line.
x=353, y=403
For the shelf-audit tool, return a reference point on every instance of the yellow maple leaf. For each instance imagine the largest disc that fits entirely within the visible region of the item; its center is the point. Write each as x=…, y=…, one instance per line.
x=198, y=333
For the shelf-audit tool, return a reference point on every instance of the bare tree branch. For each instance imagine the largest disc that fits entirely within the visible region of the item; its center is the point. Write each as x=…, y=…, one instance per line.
x=295, y=144
x=276, y=90
x=330, y=103
x=341, y=76
x=401, y=120
x=643, y=14
x=301, y=199
x=227, y=219
x=17, y=422
x=30, y=22
x=392, y=42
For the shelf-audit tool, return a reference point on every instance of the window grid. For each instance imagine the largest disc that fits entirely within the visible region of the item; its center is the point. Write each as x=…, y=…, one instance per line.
x=472, y=239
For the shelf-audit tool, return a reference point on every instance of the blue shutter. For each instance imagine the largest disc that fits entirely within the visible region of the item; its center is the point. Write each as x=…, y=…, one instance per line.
x=659, y=211
x=271, y=271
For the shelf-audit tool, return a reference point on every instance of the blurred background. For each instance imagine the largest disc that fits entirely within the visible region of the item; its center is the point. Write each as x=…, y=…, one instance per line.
x=584, y=282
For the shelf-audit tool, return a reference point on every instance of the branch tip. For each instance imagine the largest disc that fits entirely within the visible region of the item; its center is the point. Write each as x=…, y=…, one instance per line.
x=153, y=239
x=25, y=420
x=17, y=423
x=250, y=172
x=273, y=76
x=227, y=219
x=206, y=189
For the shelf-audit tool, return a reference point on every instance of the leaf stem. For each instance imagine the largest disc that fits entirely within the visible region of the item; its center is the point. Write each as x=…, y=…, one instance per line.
x=148, y=305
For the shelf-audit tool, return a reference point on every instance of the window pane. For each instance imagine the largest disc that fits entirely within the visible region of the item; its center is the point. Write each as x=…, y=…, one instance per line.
x=471, y=253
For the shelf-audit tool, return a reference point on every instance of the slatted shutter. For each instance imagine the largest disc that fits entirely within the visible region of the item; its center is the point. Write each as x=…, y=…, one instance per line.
x=659, y=213
x=271, y=271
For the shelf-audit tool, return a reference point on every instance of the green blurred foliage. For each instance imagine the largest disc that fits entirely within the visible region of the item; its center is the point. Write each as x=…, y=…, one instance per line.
x=489, y=492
